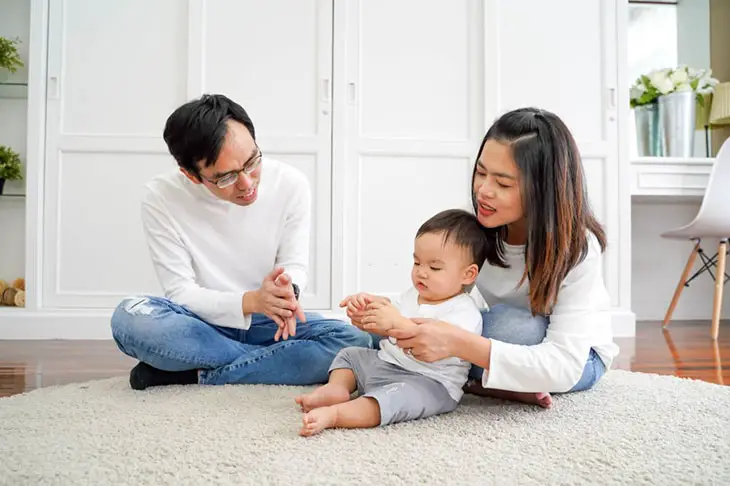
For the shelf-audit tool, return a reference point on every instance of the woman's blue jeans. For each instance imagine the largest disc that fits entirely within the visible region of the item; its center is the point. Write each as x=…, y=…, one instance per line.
x=518, y=326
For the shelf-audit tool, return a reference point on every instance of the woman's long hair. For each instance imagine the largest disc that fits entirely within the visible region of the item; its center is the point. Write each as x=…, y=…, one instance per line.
x=554, y=198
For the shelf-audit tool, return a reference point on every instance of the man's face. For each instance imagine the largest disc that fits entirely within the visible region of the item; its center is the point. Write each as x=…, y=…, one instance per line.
x=239, y=151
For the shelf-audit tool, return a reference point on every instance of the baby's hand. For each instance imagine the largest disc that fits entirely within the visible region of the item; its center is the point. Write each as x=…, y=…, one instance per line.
x=357, y=302
x=381, y=317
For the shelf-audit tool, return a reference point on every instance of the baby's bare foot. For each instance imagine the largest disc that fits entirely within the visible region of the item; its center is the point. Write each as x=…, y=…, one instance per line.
x=317, y=420
x=322, y=397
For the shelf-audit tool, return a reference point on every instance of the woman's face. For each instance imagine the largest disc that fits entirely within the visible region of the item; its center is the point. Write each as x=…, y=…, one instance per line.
x=497, y=187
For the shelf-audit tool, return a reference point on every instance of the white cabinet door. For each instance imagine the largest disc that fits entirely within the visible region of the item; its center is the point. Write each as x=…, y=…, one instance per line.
x=409, y=121
x=275, y=59
x=549, y=60
x=116, y=72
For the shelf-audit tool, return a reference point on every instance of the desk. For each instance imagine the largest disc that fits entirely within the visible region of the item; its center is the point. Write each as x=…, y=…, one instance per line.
x=670, y=176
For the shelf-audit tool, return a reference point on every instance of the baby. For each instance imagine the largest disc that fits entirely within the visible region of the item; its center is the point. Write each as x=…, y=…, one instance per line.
x=393, y=385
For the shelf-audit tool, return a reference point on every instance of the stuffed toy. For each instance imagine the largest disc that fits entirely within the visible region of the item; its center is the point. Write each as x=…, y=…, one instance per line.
x=13, y=294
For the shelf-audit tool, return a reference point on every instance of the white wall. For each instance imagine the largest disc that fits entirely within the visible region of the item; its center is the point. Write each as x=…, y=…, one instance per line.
x=14, y=15
x=658, y=263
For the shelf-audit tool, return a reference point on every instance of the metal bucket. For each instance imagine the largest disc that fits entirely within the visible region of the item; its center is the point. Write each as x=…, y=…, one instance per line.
x=648, y=138
x=677, y=113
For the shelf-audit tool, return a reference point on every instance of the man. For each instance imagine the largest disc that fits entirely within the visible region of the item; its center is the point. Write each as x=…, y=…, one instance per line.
x=228, y=235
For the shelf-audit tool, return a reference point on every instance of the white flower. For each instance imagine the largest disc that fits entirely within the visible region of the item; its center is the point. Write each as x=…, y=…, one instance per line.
x=637, y=92
x=680, y=77
x=662, y=82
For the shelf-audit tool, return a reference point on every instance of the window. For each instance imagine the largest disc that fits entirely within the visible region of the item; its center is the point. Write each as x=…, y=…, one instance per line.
x=652, y=37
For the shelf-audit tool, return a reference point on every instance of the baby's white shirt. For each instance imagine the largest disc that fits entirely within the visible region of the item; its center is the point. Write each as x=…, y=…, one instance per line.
x=461, y=311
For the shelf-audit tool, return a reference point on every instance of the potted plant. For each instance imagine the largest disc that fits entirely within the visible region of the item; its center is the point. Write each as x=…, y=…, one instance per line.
x=10, y=167
x=9, y=57
x=643, y=99
x=665, y=103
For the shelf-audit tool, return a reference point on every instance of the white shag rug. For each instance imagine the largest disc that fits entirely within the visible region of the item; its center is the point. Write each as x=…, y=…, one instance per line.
x=632, y=428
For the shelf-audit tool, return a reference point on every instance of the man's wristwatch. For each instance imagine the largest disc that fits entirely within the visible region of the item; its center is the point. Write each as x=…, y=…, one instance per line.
x=296, y=290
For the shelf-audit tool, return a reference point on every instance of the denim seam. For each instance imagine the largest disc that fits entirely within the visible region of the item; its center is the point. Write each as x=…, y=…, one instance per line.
x=160, y=352
x=206, y=374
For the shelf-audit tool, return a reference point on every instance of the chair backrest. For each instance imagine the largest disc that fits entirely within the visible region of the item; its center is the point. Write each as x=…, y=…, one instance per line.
x=715, y=208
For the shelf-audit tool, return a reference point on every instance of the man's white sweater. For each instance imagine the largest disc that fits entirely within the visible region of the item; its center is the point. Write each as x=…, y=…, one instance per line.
x=208, y=252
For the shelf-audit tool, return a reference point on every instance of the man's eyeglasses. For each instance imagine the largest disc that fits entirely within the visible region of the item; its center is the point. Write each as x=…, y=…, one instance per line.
x=231, y=177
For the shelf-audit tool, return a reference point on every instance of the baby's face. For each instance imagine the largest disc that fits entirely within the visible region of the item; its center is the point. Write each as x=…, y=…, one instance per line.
x=440, y=270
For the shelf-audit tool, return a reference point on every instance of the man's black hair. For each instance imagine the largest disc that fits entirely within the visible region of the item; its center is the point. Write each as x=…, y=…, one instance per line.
x=195, y=131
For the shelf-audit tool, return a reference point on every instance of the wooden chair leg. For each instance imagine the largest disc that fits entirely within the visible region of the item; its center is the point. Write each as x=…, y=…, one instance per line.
x=680, y=284
x=719, y=283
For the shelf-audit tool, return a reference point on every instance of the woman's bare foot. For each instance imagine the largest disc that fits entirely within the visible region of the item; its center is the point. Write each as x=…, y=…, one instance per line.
x=325, y=395
x=315, y=421
x=543, y=400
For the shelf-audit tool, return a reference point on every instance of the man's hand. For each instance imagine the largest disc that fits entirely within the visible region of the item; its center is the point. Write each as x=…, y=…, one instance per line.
x=275, y=300
x=290, y=325
x=380, y=317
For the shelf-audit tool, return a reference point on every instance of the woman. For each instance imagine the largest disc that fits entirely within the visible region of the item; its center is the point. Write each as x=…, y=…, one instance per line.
x=548, y=328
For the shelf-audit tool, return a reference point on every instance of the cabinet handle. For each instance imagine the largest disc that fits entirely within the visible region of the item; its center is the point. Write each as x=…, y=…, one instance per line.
x=326, y=90
x=52, y=88
x=351, y=92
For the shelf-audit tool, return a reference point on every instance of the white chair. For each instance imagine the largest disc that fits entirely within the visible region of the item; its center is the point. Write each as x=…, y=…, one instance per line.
x=712, y=221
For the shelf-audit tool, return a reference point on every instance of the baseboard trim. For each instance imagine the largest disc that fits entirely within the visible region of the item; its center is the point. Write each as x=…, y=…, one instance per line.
x=23, y=324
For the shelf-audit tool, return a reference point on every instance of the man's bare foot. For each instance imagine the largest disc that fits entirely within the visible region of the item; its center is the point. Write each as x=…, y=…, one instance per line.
x=317, y=420
x=543, y=400
x=323, y=396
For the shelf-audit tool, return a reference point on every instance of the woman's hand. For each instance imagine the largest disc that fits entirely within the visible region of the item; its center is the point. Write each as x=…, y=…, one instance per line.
x=429, y=341
x=380, y=317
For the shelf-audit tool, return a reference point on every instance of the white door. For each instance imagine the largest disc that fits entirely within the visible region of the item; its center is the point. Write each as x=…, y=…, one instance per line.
x=547, y=59
x=116, y=72
x=275, y=59
x=409, y=121
x=114, y=75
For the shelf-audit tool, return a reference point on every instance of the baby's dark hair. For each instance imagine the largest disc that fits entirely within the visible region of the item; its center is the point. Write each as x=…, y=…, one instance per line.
x=462, y=228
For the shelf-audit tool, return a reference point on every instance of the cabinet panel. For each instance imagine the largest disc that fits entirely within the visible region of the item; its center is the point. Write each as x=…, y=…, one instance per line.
x=394, y=207
x=123, y=64
x=414, y=79
x=271, y=57
x=549, y=59
x=100, y=248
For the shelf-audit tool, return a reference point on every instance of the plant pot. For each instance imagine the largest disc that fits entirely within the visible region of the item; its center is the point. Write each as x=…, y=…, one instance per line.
x=677, y=113
x=2, y=184
x=648, y=139
x=4, y=75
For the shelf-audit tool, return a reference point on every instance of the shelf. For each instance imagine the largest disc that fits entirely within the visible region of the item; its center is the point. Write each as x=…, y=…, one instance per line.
x=11, y=196
x=13, y=89
x=692, y=161
x=673, y=177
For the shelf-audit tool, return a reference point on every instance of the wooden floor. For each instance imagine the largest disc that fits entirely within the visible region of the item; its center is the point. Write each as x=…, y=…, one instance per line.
x=684, y=350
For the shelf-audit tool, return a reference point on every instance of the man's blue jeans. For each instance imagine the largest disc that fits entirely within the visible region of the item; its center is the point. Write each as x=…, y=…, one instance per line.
x=169, y=337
